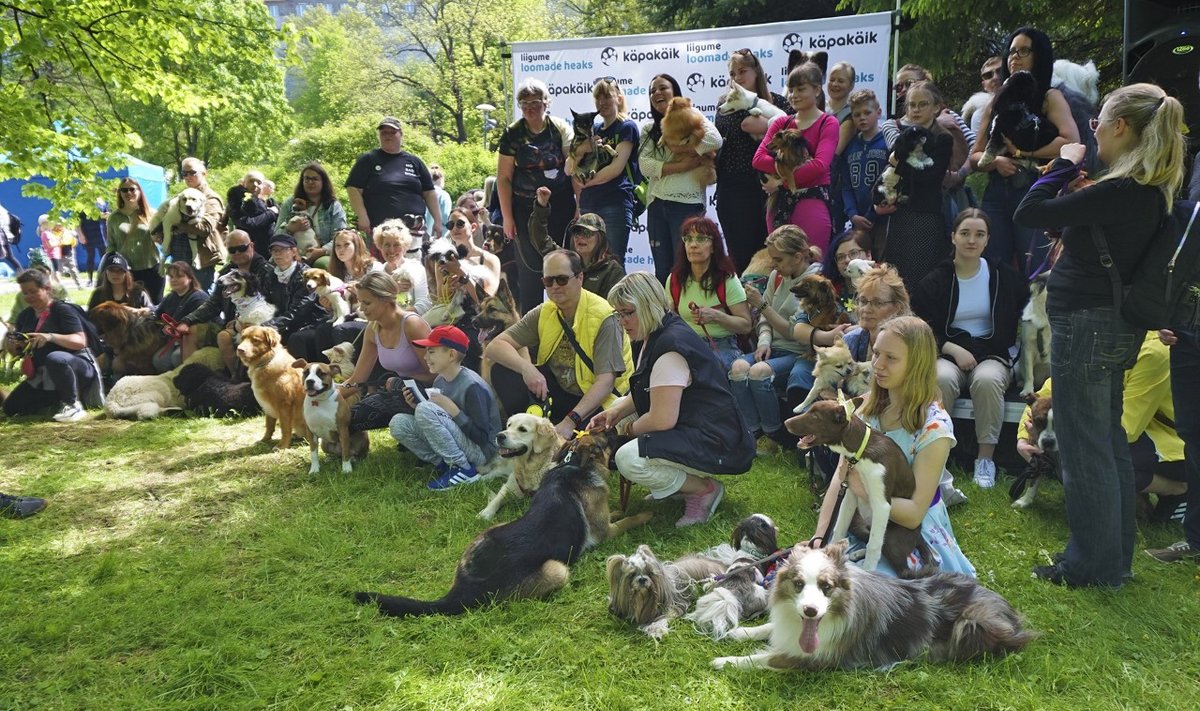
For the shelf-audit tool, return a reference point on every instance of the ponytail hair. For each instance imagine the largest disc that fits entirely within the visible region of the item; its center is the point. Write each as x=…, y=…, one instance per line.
x=1156, y=159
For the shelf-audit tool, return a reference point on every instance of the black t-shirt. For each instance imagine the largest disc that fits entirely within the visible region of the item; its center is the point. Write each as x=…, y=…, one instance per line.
x=392, y=184
x=62, y=319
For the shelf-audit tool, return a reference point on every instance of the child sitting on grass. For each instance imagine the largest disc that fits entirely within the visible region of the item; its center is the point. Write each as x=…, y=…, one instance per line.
x=455, y=428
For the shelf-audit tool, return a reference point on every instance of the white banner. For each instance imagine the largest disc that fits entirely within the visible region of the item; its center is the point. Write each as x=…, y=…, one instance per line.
x=699, y=61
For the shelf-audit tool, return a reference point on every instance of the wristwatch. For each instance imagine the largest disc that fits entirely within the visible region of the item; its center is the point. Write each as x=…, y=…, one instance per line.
x=576, y=418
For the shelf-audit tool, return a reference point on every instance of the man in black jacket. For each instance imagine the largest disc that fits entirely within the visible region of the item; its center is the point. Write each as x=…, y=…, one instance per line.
x=219, y=308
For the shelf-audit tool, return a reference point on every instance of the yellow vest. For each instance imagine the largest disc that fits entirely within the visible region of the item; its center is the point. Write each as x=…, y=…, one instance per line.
x=590, y=314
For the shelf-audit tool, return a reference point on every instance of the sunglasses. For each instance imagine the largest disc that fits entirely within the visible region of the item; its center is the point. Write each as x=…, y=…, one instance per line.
x=129, y=189
x=238, y=249
x=456, y=224
x=188, y=173
x=748, y=54
x=558, y=279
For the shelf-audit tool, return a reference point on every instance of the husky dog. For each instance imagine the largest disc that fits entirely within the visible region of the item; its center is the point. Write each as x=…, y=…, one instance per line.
x=827, y=614
x=738, y=98
x=1035, y=337
x=836, y=370
x=600, y=154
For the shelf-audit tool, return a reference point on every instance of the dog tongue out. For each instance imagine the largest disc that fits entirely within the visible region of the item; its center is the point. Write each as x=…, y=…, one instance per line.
x=808, y=635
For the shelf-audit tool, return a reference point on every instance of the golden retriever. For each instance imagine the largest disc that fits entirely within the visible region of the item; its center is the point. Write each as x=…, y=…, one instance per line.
x=278, y=387
x=529, y=443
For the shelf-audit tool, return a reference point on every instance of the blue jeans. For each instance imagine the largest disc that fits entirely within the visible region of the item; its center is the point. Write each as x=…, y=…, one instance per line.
x=1006, y=238
x=757, y=398
x=1185, y=383
x=663, y=219
x=1090, y=350
x=618, y=221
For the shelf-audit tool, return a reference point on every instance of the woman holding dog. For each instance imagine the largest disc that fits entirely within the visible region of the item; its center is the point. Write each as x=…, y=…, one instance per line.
x=675, y=184
x=1139, y=136
x=315, y=206
x=705, y=291
x=1026, y=49
x=533, y=153
x=974, y=305
x=809, y=203
x=738, y=191
x=462, y=234
x=129, y=234
x=688, y=427
x=387, y=351
x=412, y=281
x=902, y=404
x=609, y=193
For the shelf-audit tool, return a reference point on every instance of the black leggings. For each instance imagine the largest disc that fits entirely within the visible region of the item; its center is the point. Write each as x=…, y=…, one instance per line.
x=514, y=397
x=69, y=373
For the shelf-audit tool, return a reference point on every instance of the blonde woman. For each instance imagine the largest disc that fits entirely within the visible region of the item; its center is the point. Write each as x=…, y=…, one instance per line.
x=412, y=281
x=1139, y=136
x=609, y=193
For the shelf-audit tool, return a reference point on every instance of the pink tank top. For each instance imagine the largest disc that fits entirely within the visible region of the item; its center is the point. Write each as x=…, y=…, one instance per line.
x=403, y=359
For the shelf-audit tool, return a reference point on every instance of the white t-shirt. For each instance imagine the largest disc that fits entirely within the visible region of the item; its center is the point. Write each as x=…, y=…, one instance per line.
x=974, y=314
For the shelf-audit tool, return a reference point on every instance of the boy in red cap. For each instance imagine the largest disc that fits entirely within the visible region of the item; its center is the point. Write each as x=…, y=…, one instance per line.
x=455, y=426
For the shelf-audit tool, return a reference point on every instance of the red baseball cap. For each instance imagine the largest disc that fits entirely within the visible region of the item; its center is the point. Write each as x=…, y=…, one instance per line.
x=448, y=336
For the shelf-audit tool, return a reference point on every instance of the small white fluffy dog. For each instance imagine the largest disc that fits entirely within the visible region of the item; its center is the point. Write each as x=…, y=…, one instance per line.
x=184, y=207
x=856, y=269
x=145, y=397
x=740, y=98
x=1082, y=78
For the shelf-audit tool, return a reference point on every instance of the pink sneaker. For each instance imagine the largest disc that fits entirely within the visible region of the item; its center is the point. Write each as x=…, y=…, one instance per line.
x=698, y=508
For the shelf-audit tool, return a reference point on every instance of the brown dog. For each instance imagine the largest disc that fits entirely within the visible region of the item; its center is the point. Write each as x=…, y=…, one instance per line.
x=884, y=472
x=327, y=416
x=133, y=334
x=819, y=300
x=277, y=385
x=683, y=130
x=791, y=151
x=530, y=443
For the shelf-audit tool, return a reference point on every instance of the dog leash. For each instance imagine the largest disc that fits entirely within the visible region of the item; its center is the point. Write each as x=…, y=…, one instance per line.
x=777, y=555
x=693, y=306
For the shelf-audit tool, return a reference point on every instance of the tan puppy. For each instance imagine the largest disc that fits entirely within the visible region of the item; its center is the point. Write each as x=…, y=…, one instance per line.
x=530, y=443
x=277, y=385
x=341, y=355
x=327, y=416
x=331, y=291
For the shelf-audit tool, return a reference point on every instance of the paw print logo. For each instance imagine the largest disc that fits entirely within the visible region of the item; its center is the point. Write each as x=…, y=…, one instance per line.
x=608, y=55
x=694, y=81
x=792, y=39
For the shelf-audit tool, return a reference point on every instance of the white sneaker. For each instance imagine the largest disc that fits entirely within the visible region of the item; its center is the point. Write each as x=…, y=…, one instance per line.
x=71, y=413
x=952, y=496
x=985, y=473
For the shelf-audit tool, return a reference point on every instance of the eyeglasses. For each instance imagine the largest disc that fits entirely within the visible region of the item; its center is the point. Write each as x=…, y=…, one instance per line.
x=624, y=314
x=852, y=254
x=987, y=76
x=872, y=303
x=531, y=104
x=919, y=105
x=312, y=178
x=456, y=224
x=1021, y=52
x=133, y=189
x=1095, y=124
x=188, y=173
x=696, y=238
x=557, y=279
x=239, y=248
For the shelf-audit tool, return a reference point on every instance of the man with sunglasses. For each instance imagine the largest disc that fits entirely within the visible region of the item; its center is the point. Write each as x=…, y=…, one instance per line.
x=579, y=359
x=199, y=243
x=218, y=306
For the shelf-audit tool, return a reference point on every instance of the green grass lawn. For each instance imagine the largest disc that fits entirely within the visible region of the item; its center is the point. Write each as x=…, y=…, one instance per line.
x=181, y=565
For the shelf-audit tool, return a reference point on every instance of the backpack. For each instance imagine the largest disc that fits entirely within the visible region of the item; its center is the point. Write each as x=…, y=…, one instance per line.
x=743, y=340
x=1165, y=290
x=95, y=343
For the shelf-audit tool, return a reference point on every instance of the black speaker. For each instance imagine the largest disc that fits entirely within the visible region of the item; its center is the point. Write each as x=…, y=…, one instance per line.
x=1162, y=46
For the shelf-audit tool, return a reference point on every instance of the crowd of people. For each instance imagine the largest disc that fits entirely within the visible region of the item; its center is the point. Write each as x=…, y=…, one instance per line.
x=701, y=362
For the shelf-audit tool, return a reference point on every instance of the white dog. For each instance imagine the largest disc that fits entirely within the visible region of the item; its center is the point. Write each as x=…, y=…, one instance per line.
x=306, y=238
x=187, y=206
x=144, y=397
x=740, y=98
x=341, y=355
x=856, y=269
x=1082, y=78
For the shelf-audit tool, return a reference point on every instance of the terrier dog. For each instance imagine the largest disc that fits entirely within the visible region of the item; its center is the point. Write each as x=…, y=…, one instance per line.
x=884, y=472
x=328, y=417
x=530, y=557
x=819, y=301
x=1040, y=426
x=1035, y=338
x=791, y=151
x=826, y=614
x=740, y=593
x=836, y=370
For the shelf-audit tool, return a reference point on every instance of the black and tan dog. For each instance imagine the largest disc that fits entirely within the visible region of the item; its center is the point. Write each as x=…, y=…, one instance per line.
x=133, y=334
x=530, y=557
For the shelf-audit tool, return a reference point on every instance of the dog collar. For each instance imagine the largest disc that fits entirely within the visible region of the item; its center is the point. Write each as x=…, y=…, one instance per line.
x=316, y=401
x=862, y=447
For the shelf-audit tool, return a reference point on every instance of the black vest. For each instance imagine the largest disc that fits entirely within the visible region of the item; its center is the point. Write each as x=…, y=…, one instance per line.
x=710, y=434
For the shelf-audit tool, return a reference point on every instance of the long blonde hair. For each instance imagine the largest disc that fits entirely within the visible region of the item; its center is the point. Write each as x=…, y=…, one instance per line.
x=1156, y=159
x=919, y=387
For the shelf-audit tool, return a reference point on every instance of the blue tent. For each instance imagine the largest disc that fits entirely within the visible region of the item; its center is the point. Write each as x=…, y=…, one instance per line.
x=151, y=177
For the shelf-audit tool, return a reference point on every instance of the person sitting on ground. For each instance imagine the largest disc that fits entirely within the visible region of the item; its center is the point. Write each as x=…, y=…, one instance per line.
x=580, y=361
x=184, y=297
x=688, y=427
x=351, y=258
x=586, y=236
x=315, y=201
x=387, y=350
x=902, y=404
x=60, y=370
x=117, y=284
x=283, y=284
x=455, y=426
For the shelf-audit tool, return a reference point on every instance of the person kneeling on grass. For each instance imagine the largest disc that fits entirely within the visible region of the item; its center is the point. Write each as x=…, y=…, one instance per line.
x=455, y=427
